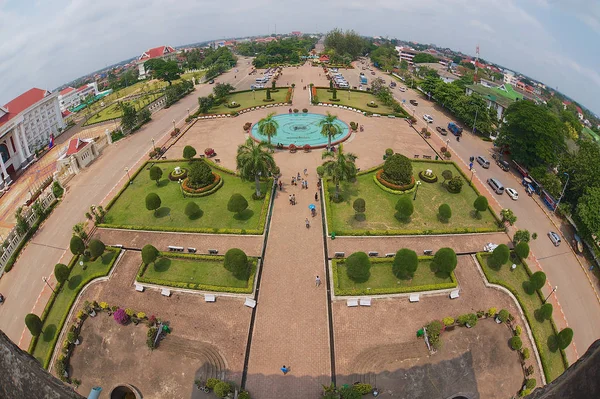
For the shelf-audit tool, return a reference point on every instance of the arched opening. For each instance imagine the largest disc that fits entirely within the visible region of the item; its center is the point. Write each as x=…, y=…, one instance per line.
x=4, y=152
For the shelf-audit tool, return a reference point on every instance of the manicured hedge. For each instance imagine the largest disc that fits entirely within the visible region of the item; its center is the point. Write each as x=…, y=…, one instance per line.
x=541, y=346
x=394, y=188
x=381, y=291
x=203, y=191
x=195, y=286
x=427, y=179
x=402, y=115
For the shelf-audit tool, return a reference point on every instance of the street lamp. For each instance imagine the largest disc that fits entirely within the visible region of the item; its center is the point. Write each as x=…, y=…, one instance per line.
x=173, y=124
x=153, y=146
x=128, y=176
x=553, y=291
x=181, y=188
x=417, y=189
x=45, y=280
x=253, y=94
x=448, y=145
x=563, y=191
x=188, y=110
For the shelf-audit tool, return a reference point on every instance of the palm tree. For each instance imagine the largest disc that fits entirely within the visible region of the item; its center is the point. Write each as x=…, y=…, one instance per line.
x=268, y=126
x=339, y=166
x=329, y=128
x=253, y=161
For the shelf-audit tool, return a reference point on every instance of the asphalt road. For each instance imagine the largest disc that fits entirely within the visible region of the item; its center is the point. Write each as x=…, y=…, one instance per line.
x=575, y=293
x=23, y=285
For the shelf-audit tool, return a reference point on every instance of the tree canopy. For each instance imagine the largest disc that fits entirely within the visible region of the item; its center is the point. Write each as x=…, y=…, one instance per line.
x=163, y=70
x=149, y=254
x=422, y=58
x=346, y=46
x=253, y=161
x=286, y=51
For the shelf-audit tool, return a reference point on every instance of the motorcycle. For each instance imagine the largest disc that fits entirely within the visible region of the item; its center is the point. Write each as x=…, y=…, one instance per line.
x=1, y=299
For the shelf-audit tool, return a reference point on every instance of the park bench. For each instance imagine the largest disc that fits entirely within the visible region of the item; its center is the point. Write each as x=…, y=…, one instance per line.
x=173, y=248
x=454, y=294
x=139, y=288
x=251, y=303
x=413, y=298
x=213, y=251
x=390, y=255
x=416, y=156
x=373, y=253
x=192, y=250
x=352, y=303
x=428, y=252
x=209, y=298
x=340, y=254
x=427, y=156
x=165, y=292
x=365, y=302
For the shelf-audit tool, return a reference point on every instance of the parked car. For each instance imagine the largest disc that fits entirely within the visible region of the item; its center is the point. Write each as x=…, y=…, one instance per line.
x=483, y=162
x=428, y=118
x=441, y=131
x=503, y=165
x=414, y=102
x=211, y=81
x=555, y=238
x=512, y=193
x=402, y=89
x=455, y=129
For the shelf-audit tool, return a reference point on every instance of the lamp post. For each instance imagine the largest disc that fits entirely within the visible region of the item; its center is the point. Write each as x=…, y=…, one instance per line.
x=128, y=176
x=418, y=183
x=448, y=145
x=45, y=280
x=472, y=173
x=181, y=188
x=153, y=146
x=553, y=291
x=173, y=124
x=563, y=191
x=188, y=110
x=253, y=94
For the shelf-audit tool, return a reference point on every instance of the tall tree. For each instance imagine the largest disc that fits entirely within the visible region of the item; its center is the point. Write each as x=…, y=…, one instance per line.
x=329, y=128
x=163, y=70
x=533, y=135
x=588, y=212
x=340, y=166
x=268, y=126
x=253, y=161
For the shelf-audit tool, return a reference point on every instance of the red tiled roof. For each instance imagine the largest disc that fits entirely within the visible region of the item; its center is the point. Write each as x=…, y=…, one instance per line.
x=66, y=113
x=66, y=91
x=156, y=52
x=579, y=109
x=82, y=88
x=21, y=103
x=75, y=145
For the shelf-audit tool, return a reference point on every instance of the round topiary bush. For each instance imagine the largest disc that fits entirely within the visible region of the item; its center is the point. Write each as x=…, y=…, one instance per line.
x=545, y=311
x=404, y=208
x=503, y=315
x=222, y=388
x=522, y=250
x=183, y=173
x=499, y=256
x=152, y=201
x=200, y=175
x=455, y=185
x=237, y=203
x=236, y=261
x=149, y=254
x=405, y=263
x=96, y=248
x=372, y=104
x=444, y=260
x=358, y=267
x=444, y=212
x=397, y=170
x=389, y=152
x=516, y=343
x=564, y=338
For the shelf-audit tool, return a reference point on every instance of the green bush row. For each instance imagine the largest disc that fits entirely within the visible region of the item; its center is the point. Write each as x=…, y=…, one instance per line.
x=398, y=232
x=206, y=230
x=539, y=345
x=380, y=291
x=32, y=230
x=60, y=325
x=403, y=114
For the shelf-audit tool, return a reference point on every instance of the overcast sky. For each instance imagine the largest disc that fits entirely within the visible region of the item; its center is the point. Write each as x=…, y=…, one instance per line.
x=47, y=43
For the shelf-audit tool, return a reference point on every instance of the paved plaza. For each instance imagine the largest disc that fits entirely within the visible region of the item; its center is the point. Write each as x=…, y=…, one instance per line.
x=294, y=322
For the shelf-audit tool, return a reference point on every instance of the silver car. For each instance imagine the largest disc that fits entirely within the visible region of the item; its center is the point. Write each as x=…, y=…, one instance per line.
x=555, y=238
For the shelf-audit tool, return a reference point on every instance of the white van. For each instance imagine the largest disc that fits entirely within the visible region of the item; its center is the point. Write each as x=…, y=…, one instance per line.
x=483, y=162
x=496, y=185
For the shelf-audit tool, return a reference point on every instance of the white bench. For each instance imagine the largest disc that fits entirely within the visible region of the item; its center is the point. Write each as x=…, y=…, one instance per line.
x=413, y=298
x=352, y=303
x=139, y=288
x=365, y=301
x=251, y=303
x=209, y=298
x=454, y=294
x=165, y=292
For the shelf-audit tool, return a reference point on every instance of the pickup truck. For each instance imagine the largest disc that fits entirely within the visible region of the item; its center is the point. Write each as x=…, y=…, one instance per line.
x=441, y=131
x=455, y=129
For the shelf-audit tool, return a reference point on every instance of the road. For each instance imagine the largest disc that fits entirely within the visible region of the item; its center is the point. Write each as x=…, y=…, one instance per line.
x=576, y=294
x=23, y=286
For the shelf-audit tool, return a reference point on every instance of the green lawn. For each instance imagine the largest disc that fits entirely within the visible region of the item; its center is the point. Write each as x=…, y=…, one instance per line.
x=249, y=99
x=383, y=280
x=59, y=309
x=189, y=76
x=355, y=99
x=195, y=272
x=114, y=111
x=380, y=207
x=129, y=209
x=552, y=361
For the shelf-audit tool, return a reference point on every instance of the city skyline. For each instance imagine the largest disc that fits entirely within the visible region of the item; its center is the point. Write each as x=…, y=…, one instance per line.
x=59, y=42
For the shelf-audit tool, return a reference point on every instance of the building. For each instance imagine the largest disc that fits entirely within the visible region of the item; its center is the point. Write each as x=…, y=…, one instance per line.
x=296, y=33
x=510, y=77
x=27, y=124
x=162, y=52
x=442, y=71
x=69, y=98
x=407, y=54
x=497, y=98
x=80, y=153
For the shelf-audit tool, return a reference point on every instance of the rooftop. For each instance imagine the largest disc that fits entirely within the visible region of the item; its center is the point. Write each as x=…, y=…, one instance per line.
x=66, y=91
x=156, y=52
x=21, y=103
x=75, y=145
x=497, y=94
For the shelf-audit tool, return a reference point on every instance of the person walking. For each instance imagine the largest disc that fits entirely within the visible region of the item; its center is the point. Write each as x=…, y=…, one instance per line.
x=298, y=177
x=284, y=370
x=280, y=185
x=317, y=281
x=317, y=196
x=305, y=172
x=306, y=184
x=291, y=201
x=293, y=180
x=307, y=223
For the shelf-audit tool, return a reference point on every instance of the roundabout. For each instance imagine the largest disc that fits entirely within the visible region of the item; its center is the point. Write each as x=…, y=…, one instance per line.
x=300, y=129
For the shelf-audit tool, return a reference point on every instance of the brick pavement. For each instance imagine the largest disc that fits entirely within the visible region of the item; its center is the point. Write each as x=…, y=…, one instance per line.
x=252, y=245
x=291, y=326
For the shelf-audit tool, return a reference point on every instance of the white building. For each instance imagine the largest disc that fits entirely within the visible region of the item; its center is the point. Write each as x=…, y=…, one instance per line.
x=407, y=54
x=164, y=52
x=70, y=97
x=26, y=125
x=510, y=77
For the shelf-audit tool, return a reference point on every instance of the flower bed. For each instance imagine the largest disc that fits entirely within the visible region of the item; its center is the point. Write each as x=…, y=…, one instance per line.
x=175, y=177
x=428, y=179
x=288, y=96
x=393, y=186
x=206, y=190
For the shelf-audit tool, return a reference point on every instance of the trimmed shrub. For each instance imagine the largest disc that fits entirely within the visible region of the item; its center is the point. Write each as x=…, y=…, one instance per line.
x=545, y=311
x=149, y=254
x=503, y=315
x=200, y=175
x=525, y=353
x=389, y=152
x=445, y=212
x=404, y=208
x=189, y=152
x=152, y=201
x=34, y=324
x=447, y=175
x=222, y=388
x=530, y=383
x=469, y=318
x=397, y=169
x=564, y=338
x=121, y=316
x=244, y=395
x=321, y=171
x=480, y=204
x=448, y=321
x=359, y=207
x=61, y=272
x=492, y=312
x=444, y=260
x=518, y=330
x=236, y=261
x=237, y=203
x=522, y=250
x=405, y=263
x=76, y=245
x=156, y=173
x=96, y=248
x=455, y=185
x=362, y=389
x=499, y=256
x=521, y=236
x=516, y=343
x=358, y=267
x=433, y=332
x=192, y=210
x=211, y=382
x=537, y=280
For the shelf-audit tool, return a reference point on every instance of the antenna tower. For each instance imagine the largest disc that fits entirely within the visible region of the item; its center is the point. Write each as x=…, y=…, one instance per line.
x=476, y=62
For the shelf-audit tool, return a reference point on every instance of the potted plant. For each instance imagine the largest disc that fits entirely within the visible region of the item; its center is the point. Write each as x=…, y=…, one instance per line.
x=87, y=307
x=292, y=148
x=306, y=147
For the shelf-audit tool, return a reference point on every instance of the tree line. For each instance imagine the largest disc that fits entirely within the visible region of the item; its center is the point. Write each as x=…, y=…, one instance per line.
x=287, y=50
